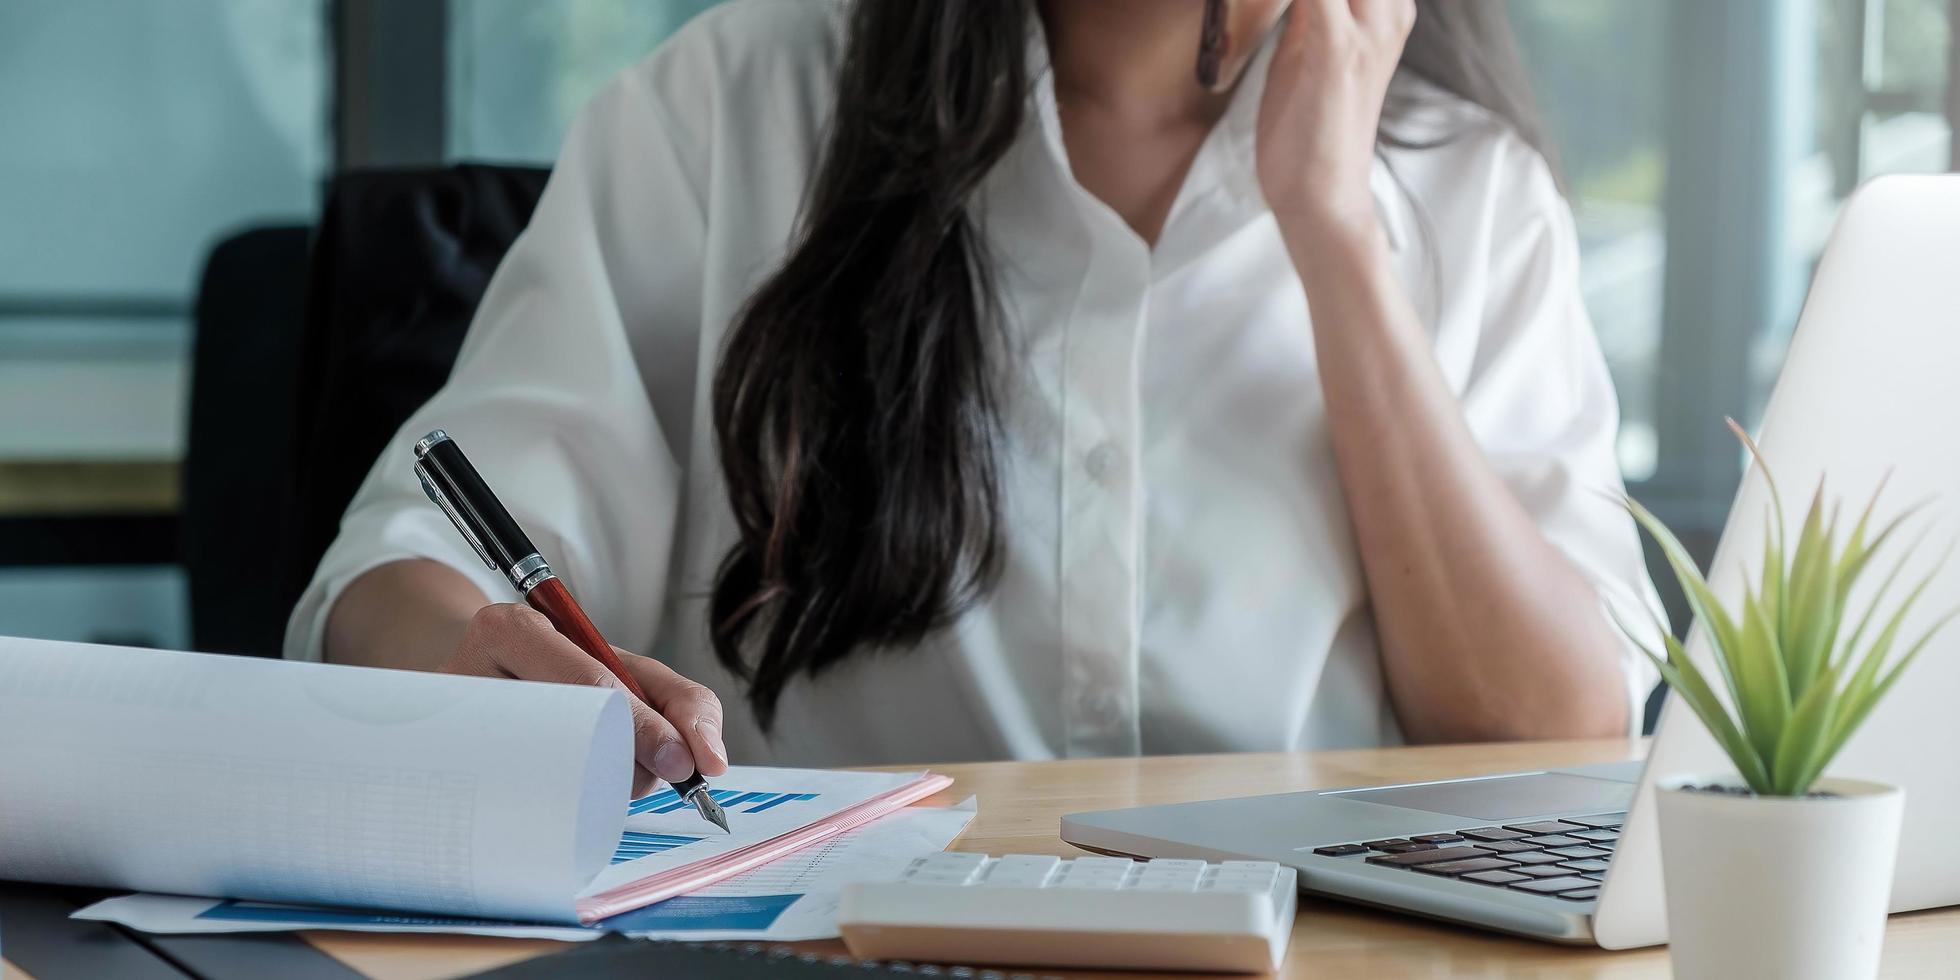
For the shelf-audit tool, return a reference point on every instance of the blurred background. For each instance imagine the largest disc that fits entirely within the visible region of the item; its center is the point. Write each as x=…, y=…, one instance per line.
x=1707, y=144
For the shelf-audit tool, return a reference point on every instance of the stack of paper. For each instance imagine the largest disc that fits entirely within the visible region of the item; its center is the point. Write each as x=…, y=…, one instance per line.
x=323, y=785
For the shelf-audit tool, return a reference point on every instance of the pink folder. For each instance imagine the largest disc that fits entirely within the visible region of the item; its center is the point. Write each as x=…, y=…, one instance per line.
x=679, y=881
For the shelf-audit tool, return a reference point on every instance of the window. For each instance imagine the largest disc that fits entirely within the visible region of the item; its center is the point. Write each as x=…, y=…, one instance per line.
x=1880, y=107
x=519, y=71
x=135, y=136
x=1708, y=148
x=1600, y=70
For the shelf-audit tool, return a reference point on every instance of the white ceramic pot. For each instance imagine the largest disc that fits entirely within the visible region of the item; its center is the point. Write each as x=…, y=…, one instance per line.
x=1790, y=888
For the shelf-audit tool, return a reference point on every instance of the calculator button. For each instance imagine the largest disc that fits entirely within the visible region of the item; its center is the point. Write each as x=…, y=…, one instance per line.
x=1121, y=865
x=1261, y=872
x=1180, y=879
x=1174, y=864
x=954, y=861
x=1093, y=882
x=1263, y=867
x=1149, y=884
x=1237, y=884
x=1092, y=874
x=1252, y=881
x=1030, y=863
x=928, y=877
x=1013, y=879
x=1098, y=881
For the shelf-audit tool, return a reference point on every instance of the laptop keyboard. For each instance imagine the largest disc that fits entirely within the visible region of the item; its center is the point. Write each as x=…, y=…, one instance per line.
x=1566, y=858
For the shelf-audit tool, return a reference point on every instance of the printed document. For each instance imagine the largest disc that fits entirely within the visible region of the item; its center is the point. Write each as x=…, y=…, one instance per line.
x=791, y=898
x=321, y=784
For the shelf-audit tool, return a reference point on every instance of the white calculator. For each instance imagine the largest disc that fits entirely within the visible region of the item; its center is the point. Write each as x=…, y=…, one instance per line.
x=1103, y=912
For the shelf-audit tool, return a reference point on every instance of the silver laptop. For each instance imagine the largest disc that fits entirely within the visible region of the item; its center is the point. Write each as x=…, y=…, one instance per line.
x=1871, y=386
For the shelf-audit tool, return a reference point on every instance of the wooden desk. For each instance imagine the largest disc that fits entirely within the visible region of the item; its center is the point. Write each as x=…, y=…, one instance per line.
x=1021, y=805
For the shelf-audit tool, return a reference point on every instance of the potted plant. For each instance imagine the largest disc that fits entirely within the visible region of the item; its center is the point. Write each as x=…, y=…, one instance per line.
x=1772, y=871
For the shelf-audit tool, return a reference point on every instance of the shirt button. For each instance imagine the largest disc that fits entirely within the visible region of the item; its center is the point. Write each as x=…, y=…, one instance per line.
x=1102, y=460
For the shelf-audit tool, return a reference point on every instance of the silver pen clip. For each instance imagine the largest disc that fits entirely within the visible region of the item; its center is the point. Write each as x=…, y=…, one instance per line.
x=441, y=500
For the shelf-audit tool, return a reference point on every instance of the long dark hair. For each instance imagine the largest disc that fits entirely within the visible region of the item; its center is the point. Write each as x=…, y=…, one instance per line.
x=855, y=406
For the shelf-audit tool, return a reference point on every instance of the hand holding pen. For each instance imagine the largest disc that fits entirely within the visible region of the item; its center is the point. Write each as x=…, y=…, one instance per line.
x=676, y=722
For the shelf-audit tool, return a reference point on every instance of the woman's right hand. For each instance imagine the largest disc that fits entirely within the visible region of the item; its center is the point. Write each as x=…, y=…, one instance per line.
x=677, y=734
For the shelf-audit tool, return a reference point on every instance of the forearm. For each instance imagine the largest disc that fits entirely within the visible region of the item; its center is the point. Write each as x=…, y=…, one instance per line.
x=1487, y=631
x=406, y=614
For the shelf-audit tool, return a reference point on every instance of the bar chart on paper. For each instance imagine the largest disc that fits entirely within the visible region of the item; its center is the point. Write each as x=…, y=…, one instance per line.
x=633, y=844
x=641, y=843
x=667, y=801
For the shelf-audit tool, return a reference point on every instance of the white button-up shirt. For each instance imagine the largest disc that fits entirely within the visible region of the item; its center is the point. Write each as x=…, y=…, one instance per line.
x=1180, y=572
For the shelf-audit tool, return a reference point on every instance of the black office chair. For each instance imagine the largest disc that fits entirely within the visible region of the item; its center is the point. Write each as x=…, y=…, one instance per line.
x=237, y=493
x=308, y=363
x=400, y=264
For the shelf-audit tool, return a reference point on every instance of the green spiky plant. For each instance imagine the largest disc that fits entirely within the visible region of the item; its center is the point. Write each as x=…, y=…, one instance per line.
x=1799, y=693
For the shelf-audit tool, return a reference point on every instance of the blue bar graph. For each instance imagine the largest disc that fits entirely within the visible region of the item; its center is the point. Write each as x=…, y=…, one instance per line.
x=782, y=798
x=634, y=844
x=741, y=801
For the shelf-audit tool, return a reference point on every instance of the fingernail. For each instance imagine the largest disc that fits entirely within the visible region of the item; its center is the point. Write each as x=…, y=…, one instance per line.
x=712, y=735
x=672, y=761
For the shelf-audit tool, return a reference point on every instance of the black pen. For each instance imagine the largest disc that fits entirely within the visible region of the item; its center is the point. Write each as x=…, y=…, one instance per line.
x=449, y=480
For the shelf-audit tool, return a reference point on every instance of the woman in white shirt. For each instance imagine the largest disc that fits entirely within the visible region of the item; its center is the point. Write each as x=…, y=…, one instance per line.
x=936, y=381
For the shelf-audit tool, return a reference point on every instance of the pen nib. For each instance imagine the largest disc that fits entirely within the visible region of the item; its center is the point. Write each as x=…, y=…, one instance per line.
x=711, y=811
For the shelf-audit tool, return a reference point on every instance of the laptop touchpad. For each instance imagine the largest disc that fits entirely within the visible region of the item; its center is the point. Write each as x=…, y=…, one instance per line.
x=1504, y=797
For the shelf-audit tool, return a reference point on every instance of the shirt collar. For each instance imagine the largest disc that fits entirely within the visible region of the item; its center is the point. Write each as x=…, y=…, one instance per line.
x=1228, y=162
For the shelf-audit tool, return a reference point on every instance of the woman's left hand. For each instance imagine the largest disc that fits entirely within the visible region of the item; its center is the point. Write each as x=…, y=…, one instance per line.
x=1322, y=107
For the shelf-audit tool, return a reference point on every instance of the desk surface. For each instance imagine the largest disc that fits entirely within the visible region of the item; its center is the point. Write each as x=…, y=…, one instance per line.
x=1021, y=805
